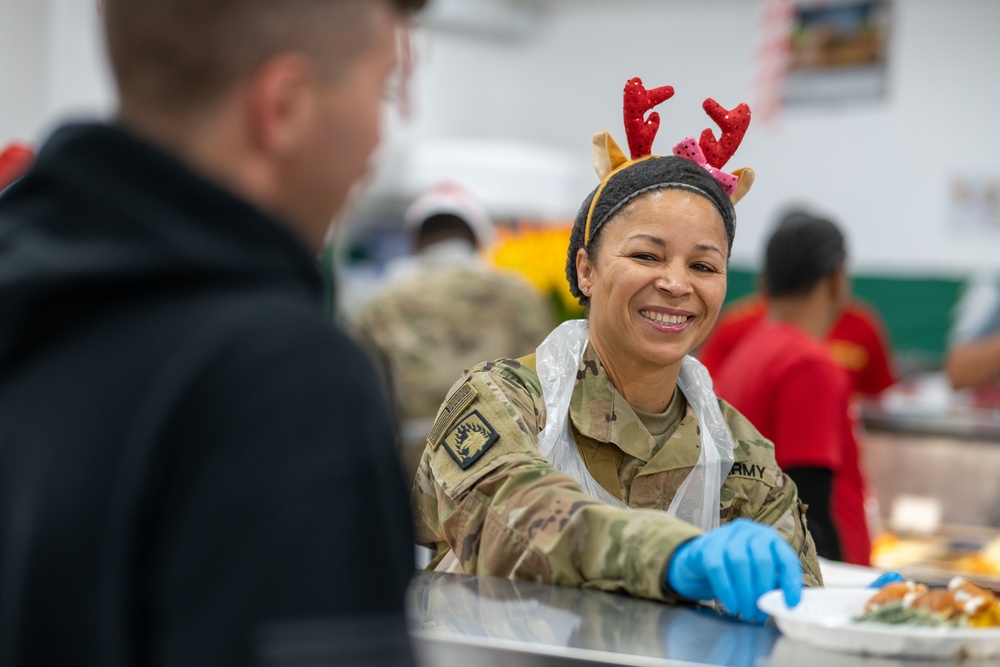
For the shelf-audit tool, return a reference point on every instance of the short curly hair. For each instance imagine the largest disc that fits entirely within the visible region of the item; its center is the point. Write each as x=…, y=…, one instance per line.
x=657, y=173
x=802, y=251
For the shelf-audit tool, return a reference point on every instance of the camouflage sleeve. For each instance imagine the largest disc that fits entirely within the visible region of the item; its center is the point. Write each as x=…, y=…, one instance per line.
x=781, y=507
x=485, y=494
x=787, y=514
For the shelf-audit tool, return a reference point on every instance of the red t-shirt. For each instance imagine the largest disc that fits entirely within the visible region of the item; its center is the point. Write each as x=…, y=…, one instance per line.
x=787, y=385
x=733, y=324
x=857, y=342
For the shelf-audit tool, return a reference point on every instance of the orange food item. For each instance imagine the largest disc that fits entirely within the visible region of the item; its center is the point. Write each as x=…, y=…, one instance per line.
x=895, y=592
x=940, y=601
x=971, y=598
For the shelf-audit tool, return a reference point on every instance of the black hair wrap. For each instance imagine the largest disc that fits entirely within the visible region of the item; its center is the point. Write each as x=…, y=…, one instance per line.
x=635, y=180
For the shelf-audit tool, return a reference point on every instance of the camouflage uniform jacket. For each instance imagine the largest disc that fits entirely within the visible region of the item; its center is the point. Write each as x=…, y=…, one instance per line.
x=444, y=315
x=486, y=499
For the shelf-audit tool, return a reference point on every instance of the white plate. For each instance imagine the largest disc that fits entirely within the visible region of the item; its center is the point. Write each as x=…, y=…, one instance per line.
x=824, y=618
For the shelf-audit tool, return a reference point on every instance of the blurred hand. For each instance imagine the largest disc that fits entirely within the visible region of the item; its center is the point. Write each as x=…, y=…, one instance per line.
x=736, y=564
x=886, y=578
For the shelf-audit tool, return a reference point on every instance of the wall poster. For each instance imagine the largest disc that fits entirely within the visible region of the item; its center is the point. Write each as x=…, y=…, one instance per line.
x=838, y=52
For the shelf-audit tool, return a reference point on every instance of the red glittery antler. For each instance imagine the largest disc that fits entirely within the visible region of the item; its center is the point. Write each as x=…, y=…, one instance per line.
x=638, y=101
x=733, y=123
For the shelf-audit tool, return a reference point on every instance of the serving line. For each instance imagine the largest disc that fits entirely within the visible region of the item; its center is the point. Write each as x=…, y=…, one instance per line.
x=494, y=622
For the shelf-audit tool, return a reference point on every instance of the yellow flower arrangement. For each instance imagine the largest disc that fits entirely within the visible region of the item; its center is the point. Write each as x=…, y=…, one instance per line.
x=537, y=249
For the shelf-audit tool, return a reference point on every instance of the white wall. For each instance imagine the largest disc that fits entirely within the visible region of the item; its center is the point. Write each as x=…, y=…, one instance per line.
x=882, y=170
x=52, y=66
x=22, y=67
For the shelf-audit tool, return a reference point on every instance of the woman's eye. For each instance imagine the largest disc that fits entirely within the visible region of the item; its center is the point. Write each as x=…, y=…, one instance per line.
x=705, y=268
x=645, y=256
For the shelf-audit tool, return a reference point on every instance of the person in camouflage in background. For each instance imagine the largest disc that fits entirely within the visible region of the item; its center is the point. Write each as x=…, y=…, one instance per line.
x=444, y=310
x=648, y=257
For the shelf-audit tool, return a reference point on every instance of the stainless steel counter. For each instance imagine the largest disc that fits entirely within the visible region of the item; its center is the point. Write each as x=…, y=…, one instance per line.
x=923, y=439
x=489, y=622
x=946, y=450
x=944, y=454
x=926, y=405
x=958, y=422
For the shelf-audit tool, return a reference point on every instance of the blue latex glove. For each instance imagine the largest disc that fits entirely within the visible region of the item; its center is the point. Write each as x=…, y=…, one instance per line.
x=886, y=578
x=736, y=564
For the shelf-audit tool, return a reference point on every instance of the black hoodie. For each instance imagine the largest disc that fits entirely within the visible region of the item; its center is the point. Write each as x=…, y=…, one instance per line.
x=196, y=468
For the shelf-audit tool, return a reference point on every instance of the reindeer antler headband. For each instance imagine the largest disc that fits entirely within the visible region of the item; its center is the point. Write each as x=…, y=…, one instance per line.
x=709, y=153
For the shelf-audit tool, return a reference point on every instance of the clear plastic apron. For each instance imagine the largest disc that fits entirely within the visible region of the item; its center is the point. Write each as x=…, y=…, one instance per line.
x=557, y=360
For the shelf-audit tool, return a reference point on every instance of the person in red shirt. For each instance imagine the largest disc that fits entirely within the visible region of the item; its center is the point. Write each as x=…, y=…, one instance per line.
x=857, y=342
x=782, y=377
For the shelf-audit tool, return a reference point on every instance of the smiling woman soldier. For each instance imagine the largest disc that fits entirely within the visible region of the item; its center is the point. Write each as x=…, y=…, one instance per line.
x=605, y=460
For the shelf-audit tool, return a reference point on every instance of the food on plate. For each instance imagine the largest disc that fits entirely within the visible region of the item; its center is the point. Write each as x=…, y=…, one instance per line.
x=980, y=605
x=894, y=593
x=961, y=604
x=939, y=602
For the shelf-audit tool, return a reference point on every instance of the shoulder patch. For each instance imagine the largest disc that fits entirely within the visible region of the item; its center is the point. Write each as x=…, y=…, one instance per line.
x=457, y=403
x=469, y=439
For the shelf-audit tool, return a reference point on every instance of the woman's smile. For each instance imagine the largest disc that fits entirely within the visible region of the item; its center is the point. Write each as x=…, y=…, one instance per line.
x=669, y=321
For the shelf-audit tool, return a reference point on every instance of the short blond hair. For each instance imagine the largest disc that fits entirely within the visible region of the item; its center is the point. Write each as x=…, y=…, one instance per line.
x=177, y=54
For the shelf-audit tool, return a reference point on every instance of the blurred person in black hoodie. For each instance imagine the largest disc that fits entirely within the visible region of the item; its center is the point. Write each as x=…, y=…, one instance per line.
x=196, y=468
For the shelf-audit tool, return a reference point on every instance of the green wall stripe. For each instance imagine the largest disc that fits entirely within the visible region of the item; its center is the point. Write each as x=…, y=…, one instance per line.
x=917, y=311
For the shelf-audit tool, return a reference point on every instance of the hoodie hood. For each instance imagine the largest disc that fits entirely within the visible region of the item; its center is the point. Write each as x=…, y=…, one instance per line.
x=103, y=217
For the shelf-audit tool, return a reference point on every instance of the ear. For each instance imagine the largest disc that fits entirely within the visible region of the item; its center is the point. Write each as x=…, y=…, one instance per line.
x=584, y=269
x=744, y=176
x=281, y=102
x=607, y=155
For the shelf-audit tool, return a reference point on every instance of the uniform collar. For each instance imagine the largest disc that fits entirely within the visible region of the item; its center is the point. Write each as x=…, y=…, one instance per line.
x=600, y=412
